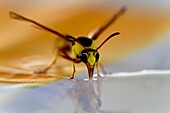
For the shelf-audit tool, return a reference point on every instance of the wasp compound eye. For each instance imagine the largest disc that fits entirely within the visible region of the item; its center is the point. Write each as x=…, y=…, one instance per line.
x=97, y=56
x=83, y=57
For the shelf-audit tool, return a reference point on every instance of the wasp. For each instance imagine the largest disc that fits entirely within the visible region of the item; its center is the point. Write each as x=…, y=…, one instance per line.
x=83, y=48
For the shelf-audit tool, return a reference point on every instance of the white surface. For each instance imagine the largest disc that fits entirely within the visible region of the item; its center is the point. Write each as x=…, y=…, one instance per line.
x=144, y=93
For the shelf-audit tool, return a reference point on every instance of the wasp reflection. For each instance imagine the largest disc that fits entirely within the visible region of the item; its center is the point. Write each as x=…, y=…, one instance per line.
x=86, y=96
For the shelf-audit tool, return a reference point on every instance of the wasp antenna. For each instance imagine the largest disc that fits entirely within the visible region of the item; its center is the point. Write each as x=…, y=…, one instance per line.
x=20, y=17
x=107, y=24
x=112, y=35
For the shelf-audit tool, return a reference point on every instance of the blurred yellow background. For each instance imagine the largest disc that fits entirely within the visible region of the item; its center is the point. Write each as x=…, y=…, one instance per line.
x=140, y=26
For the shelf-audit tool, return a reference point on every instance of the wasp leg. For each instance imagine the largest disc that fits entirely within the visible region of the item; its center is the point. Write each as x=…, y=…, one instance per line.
x=74, y=70
x=97, y=68
x=50, y=64
x=54, y=59
x=66, y=56
x=102, y=68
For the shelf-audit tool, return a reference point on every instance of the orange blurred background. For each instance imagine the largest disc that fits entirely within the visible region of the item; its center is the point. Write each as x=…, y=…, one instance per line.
x=141, y=26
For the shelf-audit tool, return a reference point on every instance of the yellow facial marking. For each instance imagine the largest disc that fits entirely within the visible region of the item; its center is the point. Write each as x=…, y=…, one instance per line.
x=91, y=59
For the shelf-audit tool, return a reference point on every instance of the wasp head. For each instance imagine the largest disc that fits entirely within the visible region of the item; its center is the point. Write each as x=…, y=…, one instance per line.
x=90, y=58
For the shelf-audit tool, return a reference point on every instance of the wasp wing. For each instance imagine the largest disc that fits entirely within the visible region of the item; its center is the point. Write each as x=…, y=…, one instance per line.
x=101, y=29
x=16, y=16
